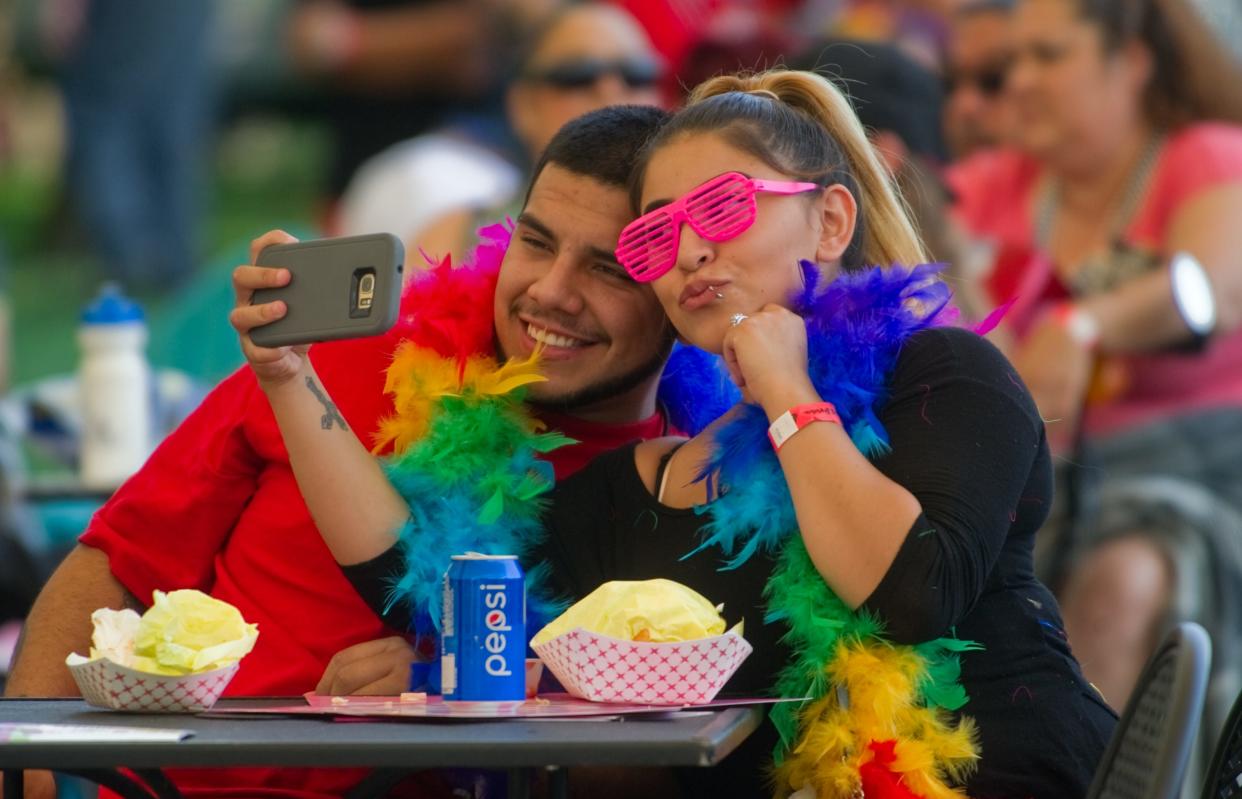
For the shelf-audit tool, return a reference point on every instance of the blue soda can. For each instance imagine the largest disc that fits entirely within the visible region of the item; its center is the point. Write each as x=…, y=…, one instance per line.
x=483, y=630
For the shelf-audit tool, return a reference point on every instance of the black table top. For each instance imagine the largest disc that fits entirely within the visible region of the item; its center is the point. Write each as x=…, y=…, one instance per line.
x=687, y=738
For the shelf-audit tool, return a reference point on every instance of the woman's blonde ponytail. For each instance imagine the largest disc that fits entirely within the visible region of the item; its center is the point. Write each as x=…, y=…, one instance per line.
x=717, y=104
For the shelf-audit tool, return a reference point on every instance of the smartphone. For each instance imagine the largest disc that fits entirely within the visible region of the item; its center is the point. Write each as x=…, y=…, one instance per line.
x=346, y=287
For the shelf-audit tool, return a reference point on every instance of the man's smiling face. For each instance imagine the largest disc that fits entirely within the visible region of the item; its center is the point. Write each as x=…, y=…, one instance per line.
x=606, y=337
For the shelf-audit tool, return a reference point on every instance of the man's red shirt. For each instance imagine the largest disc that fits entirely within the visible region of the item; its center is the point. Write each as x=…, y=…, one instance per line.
x=216, y=508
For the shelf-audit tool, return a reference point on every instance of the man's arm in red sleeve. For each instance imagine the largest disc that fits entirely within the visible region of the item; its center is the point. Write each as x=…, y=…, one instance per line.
x=60, y=623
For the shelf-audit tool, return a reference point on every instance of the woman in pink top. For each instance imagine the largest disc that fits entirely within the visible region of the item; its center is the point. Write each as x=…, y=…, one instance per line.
x=1130, y=152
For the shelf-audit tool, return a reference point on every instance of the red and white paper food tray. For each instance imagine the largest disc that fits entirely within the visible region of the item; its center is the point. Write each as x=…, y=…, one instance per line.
x=107, y=684
x=603, y=669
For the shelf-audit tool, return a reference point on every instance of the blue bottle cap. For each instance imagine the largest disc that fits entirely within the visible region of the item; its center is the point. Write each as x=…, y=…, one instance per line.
x=111, y=306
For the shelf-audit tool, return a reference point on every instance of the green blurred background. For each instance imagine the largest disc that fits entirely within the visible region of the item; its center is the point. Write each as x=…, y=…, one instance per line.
x=263, y=173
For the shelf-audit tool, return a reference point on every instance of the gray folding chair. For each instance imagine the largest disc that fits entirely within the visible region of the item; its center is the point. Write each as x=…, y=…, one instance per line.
x=1147, y=755
x=1224, y=775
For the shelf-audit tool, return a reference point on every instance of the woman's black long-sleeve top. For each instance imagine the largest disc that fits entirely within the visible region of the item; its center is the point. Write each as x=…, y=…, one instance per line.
x=968, y=443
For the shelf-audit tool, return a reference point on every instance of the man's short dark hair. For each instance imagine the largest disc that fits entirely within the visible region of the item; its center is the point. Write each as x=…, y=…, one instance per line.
x=602, y=144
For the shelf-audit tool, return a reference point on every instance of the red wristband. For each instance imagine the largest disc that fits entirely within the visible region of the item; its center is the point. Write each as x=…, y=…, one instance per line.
x=798, y=417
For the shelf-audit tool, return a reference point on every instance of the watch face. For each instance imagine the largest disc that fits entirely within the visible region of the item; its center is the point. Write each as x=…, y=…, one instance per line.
x=1192, y=292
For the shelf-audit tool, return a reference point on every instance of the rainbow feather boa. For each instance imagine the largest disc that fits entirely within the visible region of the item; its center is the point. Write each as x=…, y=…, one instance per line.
x=465, y=448
x=889, y=732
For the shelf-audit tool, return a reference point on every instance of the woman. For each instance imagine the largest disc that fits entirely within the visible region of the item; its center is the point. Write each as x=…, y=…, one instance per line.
x=1130, y=154
x=874, y=573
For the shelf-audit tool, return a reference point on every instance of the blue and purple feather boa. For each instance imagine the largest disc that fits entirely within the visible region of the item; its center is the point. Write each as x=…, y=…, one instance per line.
x=856, y=326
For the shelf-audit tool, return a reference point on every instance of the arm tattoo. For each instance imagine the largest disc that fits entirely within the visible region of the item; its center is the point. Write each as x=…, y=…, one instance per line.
x=330, y=414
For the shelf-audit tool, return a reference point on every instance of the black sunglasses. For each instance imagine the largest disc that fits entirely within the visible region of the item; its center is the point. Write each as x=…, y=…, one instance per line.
x=638, y=73
x=989, y=82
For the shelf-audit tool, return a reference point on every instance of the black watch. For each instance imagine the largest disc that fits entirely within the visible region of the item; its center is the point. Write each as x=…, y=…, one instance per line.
x=1193, y=296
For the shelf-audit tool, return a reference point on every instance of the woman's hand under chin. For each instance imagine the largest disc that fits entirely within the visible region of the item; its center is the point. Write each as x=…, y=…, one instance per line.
x=766, y=357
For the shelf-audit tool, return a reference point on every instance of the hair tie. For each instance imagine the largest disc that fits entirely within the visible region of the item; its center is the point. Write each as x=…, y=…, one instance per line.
x=764, y=93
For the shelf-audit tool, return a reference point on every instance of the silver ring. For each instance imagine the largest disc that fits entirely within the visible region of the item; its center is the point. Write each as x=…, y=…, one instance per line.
x=737, y=319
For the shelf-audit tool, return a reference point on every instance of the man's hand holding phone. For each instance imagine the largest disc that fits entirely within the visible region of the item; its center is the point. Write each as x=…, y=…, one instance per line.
x=293, y=294
x=272, y=365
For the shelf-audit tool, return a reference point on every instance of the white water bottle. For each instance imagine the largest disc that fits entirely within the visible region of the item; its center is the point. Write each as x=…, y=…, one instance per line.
x=115, y=384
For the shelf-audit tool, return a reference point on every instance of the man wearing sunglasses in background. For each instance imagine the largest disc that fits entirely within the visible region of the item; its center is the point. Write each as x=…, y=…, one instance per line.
x=435, y=189
x=977, y=115
x=587, y=56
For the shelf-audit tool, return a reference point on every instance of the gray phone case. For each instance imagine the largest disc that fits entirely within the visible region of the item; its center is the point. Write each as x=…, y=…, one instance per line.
x=327, y=297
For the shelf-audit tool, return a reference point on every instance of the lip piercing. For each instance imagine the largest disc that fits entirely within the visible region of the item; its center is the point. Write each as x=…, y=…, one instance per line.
x=715, y=291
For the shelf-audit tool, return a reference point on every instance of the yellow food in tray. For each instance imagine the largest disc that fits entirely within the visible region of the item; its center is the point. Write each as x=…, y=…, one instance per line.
x=183, y=632
x=658, y=611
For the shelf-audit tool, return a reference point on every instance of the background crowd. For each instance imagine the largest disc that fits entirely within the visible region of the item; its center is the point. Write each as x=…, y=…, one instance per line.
x=1054, y=153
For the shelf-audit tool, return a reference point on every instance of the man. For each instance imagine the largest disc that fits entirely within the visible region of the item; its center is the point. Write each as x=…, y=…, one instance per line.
x=430, y=189
x=977, y=114
x=217, y=508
